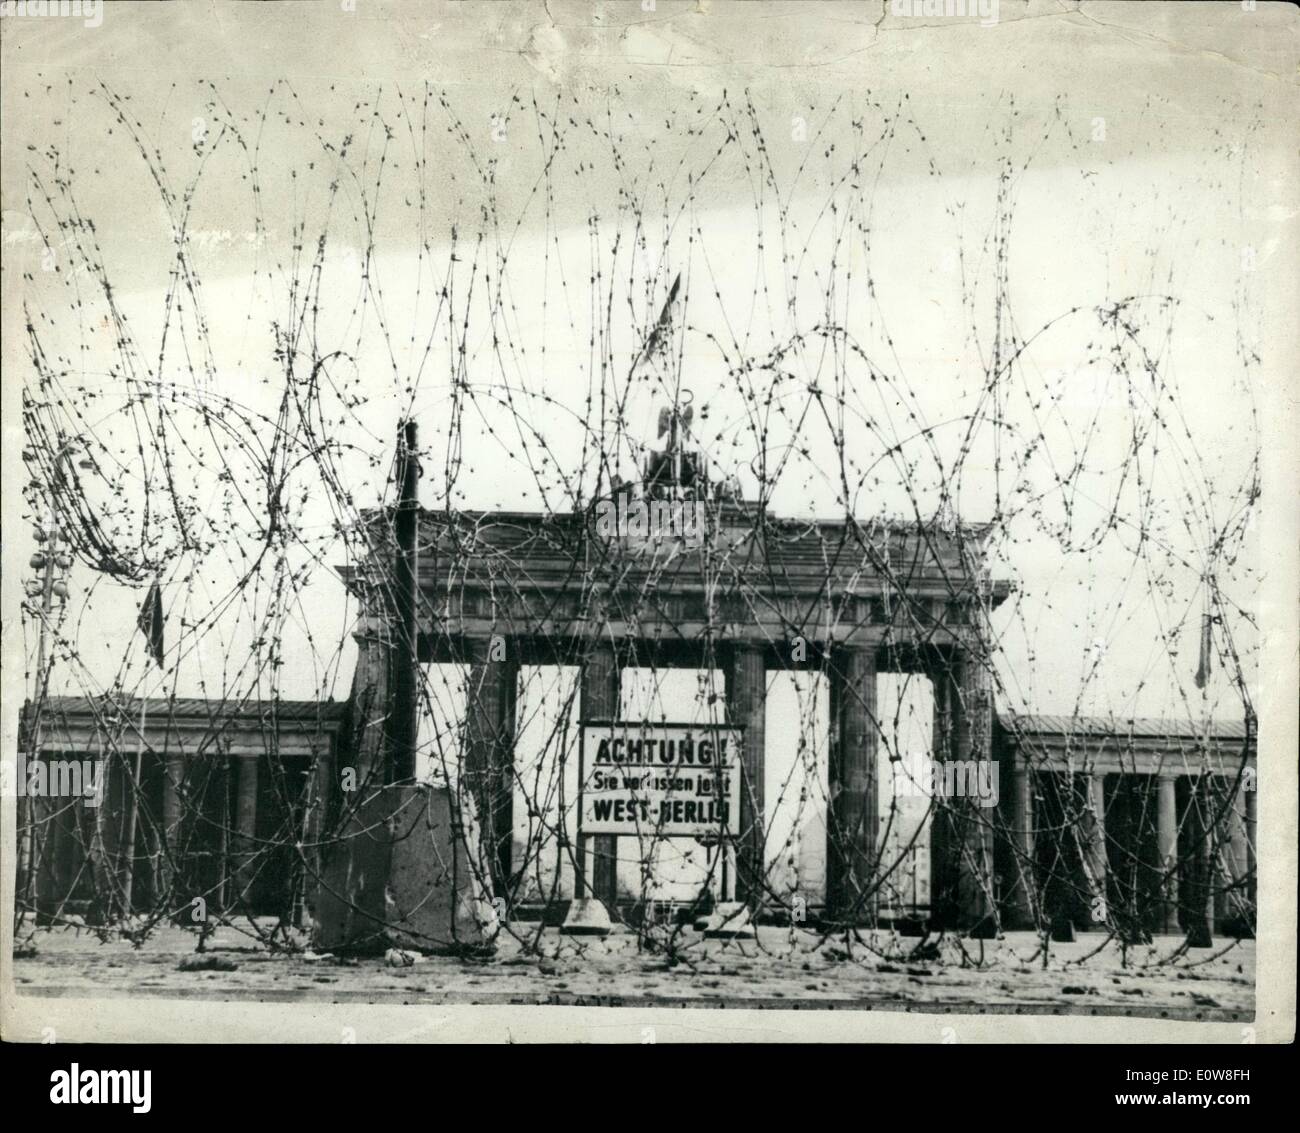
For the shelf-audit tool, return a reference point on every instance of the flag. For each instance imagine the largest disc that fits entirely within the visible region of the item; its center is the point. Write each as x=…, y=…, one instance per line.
x=1207, y=651
x=658, y=339
x=150, y=622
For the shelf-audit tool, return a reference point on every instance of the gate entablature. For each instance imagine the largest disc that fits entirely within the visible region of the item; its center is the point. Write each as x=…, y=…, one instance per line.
x=552, y=582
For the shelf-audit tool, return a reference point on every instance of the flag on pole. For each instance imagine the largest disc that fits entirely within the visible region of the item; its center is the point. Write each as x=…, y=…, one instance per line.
x=657, y=342
x=150, y=622
x=1207, y=651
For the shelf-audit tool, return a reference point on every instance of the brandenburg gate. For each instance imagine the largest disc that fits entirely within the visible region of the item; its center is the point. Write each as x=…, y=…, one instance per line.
x=1133, y=827
x=747, y=594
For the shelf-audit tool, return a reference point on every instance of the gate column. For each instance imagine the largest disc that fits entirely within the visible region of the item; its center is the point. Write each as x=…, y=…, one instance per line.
x=599, y=700
x=852, y=824
x=961, y=831
x=245, y=830
x=747, y=707
x=490, y=753
x=1019, y=793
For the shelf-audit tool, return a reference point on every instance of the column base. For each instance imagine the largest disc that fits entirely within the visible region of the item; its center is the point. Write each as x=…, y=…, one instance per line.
x=1062, y=930
x=730, y=920
x=586, y=917
x=976, y=928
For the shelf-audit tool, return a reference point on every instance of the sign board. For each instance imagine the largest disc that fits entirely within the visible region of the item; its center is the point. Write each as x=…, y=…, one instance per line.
x=668, y=780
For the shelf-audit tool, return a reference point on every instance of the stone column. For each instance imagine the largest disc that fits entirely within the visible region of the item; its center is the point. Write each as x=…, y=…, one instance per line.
x=490, y=752
x=245, y=844
x=599, y=700
x=172, y=872
x=105, y=823
x=961, y=832
x=1167, y=840
x=321, y=794
x=1094, y=848
x=1198, y=901
x=1021, y=896
x=1238, y=898
x=853, y=821
x=942, y=864
x=47, y=892
x=1221, y=869
x=1252, y=865
x=747, y=707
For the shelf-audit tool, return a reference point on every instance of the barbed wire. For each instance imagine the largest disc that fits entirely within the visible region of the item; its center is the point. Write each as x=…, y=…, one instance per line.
x=239, y=459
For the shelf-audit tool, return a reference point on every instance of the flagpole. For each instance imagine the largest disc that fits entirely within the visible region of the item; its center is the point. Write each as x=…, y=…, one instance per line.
x=153, y=608
x=132, y=808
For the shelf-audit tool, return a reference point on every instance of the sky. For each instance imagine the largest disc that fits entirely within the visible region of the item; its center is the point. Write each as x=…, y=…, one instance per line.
x=928, y=192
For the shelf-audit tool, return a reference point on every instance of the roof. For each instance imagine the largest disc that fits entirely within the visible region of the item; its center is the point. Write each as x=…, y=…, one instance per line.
x=1149, y=727
x=192, y=707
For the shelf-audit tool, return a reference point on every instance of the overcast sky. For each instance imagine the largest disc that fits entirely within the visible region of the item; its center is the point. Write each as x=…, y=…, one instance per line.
x=1122, y=152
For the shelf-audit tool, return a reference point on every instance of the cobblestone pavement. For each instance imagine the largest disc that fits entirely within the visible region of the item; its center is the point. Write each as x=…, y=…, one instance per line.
x=780, y=969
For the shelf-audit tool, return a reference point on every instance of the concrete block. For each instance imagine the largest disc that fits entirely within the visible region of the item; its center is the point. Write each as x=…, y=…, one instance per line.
x=402, y=876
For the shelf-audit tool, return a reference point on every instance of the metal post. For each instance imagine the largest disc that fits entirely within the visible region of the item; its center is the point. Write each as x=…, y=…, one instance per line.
x=132, y=808
x=406, y=523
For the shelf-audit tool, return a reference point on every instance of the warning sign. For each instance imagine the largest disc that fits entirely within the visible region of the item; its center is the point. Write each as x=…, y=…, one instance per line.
x=660, y=779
